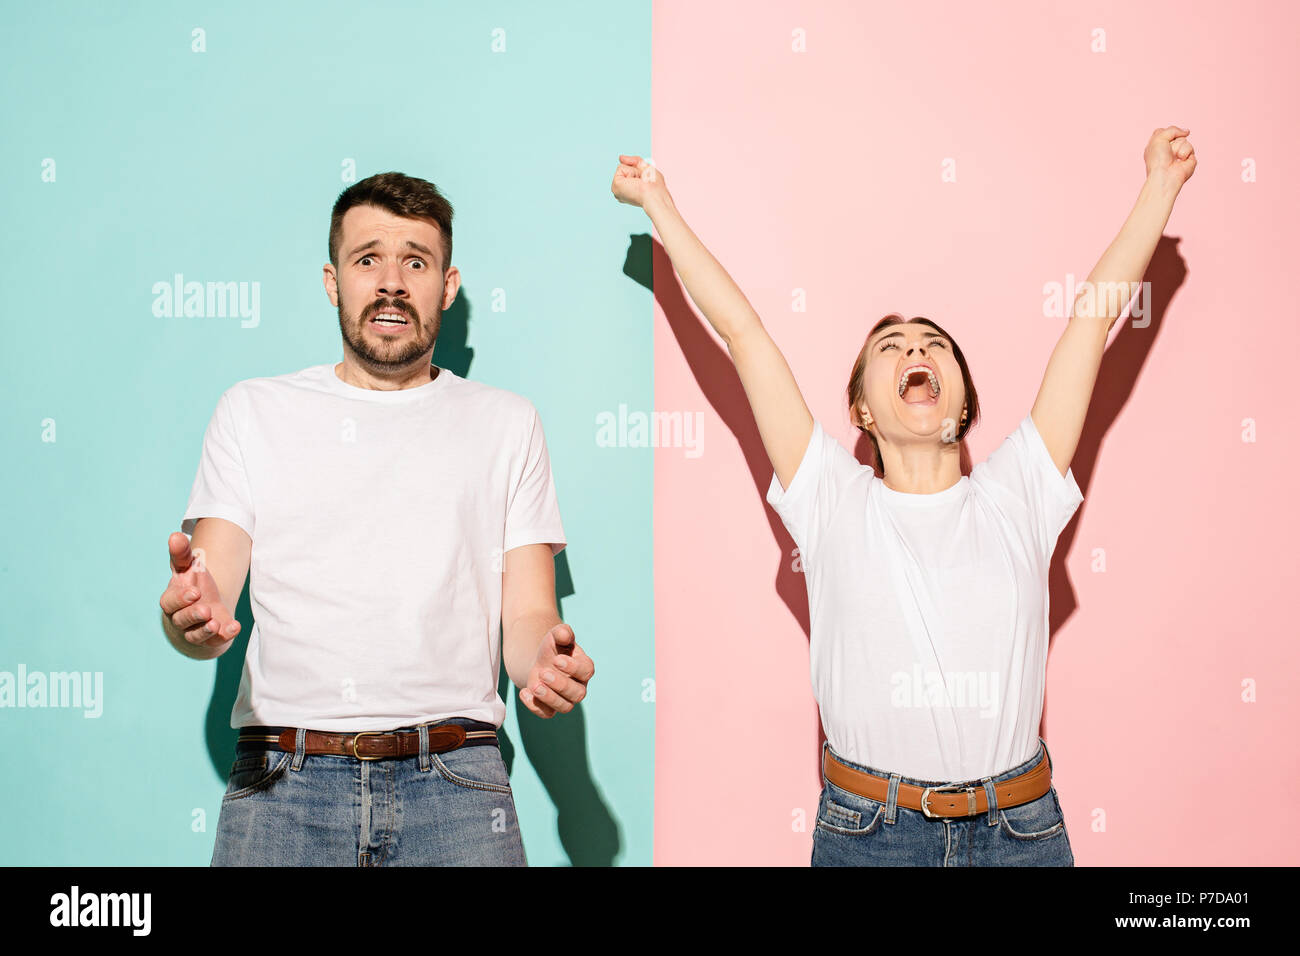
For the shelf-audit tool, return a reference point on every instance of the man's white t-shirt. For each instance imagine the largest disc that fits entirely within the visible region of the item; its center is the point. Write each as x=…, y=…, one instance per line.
x=379, y=521
x=928, y=612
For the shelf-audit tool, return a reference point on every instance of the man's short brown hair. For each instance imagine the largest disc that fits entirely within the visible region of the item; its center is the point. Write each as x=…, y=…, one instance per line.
x=401, y=195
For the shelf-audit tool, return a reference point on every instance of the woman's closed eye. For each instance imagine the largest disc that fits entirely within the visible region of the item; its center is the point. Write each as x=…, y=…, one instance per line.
x=889, y=345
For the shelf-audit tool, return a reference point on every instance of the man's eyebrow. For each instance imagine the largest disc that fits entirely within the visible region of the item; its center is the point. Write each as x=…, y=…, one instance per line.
x=375, y=242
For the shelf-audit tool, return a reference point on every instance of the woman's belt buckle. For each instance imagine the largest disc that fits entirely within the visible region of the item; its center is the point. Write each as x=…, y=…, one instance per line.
x=947, y=788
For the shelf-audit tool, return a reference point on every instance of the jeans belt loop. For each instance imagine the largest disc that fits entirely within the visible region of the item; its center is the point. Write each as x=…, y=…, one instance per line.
x=300, y=748
x=424, y=748
x=991, y=792
x=891, y=799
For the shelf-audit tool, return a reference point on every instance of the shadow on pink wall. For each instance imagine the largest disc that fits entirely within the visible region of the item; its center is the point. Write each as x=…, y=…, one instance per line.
x=1121, y=366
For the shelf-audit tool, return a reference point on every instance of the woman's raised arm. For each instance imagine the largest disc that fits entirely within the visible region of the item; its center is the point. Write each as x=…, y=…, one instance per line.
x=1066, y=390
x=784, y=422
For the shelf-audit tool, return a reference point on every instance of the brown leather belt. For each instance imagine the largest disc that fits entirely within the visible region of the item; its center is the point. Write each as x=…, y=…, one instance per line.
x=367, y=744
x=949, y=800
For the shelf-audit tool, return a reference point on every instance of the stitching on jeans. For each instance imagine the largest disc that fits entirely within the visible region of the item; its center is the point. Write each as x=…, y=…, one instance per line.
x=849, y=816
x=265, y=782
x=456, y=778
x=847, y=831
x=1039, y=835
x=854, y=796
x=1053, y=830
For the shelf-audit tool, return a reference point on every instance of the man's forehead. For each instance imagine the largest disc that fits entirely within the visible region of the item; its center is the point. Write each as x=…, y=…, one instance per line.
x=382, y=224
x=374, y=228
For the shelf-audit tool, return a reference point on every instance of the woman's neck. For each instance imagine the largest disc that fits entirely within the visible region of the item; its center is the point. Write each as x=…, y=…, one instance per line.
x=921, y=470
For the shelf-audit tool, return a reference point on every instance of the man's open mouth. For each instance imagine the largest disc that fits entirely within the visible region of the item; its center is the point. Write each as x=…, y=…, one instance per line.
x=390, y=319
x=919, y=385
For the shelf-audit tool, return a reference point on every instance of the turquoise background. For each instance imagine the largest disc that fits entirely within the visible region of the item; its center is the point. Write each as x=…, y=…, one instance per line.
x=223, y=166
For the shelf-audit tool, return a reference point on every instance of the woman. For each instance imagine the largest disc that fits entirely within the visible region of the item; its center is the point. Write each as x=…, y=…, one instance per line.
x=927, y=590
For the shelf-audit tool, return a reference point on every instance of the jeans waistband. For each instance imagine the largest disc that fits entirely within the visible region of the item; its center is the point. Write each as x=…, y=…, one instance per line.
x=465, y=722
x=1015, y=771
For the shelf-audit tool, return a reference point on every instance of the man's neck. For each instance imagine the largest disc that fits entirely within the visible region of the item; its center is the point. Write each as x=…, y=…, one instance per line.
x=358, y=378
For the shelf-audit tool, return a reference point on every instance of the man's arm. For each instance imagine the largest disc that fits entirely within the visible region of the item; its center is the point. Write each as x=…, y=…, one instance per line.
x=208, y=574
x=539, y=650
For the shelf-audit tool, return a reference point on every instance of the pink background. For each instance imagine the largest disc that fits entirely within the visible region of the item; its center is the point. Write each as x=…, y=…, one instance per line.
x=821, y=171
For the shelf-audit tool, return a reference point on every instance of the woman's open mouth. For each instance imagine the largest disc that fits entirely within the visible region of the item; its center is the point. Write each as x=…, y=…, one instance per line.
x=919, y=385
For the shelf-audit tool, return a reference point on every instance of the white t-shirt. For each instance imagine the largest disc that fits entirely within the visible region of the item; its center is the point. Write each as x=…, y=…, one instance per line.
x=379, y=520
x=929, y=611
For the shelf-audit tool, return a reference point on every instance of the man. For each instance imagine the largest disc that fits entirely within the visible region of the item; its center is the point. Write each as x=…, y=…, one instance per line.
x=395, y=516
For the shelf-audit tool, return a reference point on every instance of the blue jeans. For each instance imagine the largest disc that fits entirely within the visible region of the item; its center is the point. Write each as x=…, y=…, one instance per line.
x=430, y=809
x=855, y=831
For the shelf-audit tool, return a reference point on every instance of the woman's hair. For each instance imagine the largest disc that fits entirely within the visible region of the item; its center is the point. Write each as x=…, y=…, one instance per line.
x=854, y=391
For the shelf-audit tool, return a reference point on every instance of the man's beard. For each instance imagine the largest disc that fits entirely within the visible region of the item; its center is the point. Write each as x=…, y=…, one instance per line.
x=397, y=354
x=388, y=355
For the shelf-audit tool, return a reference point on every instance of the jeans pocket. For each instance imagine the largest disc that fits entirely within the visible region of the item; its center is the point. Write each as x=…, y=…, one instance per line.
x=254, y=771
x=477, y=768
x=847, y=813
x=1035, y=820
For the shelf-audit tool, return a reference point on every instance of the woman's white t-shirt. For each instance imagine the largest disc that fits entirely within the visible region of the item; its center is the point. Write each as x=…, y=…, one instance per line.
x=929, y=611
x=379, y=522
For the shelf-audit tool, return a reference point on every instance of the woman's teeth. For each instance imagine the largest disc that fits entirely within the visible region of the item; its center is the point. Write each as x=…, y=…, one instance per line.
x=921, y=377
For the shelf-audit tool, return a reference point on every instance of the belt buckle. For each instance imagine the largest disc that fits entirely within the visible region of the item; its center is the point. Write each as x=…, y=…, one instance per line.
x=366, y=733
x=946, y=788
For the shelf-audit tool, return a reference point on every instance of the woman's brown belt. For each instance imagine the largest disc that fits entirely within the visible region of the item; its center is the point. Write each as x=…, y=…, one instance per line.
x=950, y=800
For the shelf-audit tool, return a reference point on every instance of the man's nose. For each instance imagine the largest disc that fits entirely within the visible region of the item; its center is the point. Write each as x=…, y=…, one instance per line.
x=390, y=283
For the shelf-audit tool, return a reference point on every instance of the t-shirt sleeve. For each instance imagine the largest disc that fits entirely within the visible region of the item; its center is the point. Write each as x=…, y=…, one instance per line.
x=532, y=511
x=1023, y=466
x=221, y=488
x=806, y=507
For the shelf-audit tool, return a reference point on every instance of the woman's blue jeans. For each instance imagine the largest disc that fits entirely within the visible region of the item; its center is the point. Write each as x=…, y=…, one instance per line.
x=430, y=809
x=855, y=831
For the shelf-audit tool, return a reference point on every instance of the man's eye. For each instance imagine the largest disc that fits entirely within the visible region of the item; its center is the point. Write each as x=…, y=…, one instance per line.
x=420, y=261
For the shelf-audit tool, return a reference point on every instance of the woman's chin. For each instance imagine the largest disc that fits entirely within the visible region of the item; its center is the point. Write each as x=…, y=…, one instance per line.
x=924, y=418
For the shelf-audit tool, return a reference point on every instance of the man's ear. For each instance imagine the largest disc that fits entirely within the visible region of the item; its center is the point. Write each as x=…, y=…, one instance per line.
x=450, y=287
x=330, y=278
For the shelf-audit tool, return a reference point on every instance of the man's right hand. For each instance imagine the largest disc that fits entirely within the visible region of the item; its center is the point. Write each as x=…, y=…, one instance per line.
x=192, y=600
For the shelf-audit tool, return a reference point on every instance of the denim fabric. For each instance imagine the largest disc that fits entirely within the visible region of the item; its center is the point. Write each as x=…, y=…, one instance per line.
x=855, y=831
x=299, y=809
